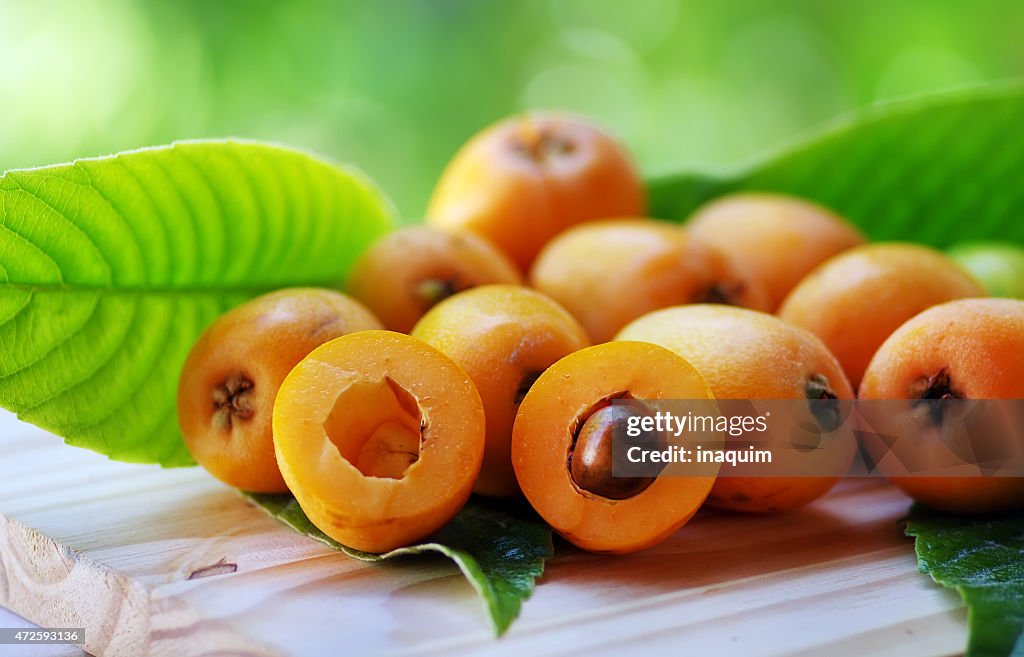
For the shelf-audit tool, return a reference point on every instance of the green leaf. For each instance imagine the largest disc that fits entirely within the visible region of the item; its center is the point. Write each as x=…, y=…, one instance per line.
x=501, y=554
x=111, y=267
x=937, y=169
x=983, y=559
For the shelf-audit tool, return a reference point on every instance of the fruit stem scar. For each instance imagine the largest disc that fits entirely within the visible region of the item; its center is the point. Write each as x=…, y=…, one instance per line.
x=433, y=291
x=539, y=144
x=590, y=455
x=721, y=293
x=232, y=400
x=824, y=402
x=931, y=389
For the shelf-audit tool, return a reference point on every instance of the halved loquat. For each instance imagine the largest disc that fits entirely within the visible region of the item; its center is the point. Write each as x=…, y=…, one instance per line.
x=562, y=448
x=379, y=437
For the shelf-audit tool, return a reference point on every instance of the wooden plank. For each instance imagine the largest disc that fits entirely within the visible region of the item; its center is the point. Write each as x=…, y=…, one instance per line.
x=88, y=542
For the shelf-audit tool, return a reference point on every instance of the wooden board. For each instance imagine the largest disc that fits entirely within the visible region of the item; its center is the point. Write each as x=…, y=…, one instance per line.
x=85, y=542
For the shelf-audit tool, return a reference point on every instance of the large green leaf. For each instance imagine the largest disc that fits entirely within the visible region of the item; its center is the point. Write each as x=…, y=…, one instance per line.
x=111, y=267
x=937, y=169
x=983, y=559
x=501, y=554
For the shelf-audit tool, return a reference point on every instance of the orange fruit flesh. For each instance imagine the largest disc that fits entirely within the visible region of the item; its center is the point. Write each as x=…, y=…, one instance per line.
x=379, y=437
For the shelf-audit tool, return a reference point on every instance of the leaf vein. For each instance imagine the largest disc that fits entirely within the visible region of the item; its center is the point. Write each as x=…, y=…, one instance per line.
x=136, y=388
x=81, y=380
x=128, y=225
x=190, y=211
x=25, y=304
x=56, y=345
x=88, y=238
x=201, y=174
x=38, y=249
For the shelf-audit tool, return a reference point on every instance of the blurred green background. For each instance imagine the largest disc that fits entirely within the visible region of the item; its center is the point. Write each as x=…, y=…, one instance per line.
x=396, y=86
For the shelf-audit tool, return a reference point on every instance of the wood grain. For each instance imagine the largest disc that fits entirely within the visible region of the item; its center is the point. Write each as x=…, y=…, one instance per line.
x=170, y=562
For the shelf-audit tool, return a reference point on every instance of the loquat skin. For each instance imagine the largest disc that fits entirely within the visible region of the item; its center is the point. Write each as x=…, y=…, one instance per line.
x=561, y=448
x=230, y=379
x=407, y=272
x=379, y=437
x=504, y=337
x=522, y=181
x=745, y=354
x=854, y=301
x=969, y=349
x=778, y=239
x=608, y=273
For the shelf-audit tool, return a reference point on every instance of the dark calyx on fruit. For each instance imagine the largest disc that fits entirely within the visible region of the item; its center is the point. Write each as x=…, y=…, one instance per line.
x=931, y=391
x=433, y=291
x=232, y=401
x=823, y=402
x=721, y=293
x=539, y=144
